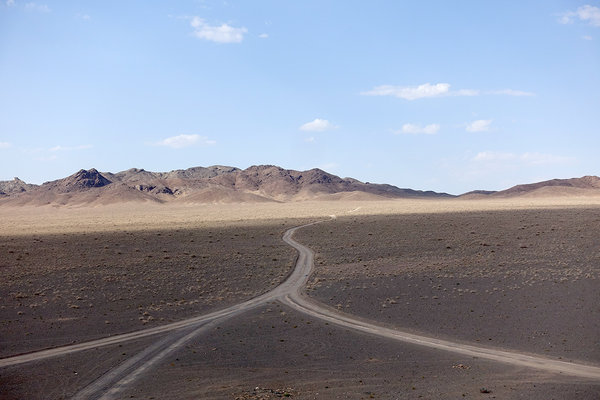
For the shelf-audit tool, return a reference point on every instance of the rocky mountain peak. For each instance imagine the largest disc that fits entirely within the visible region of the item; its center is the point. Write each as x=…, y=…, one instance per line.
x=84, y=179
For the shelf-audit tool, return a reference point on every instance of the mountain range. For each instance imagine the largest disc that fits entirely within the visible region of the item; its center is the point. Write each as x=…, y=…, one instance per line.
x=262, y=183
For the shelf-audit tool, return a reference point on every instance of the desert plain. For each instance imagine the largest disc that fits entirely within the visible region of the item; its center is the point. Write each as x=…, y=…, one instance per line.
x=518, y=274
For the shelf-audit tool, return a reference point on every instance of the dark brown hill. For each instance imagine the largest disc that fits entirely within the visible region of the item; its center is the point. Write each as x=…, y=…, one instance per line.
x=285, y=184
x=558, y=186
x=215, y=184
x=199, y=172
x=79, y=181
x=15, y=186
x=81, y=188
x=259, y=183
x=584, y=186
x=281, y=184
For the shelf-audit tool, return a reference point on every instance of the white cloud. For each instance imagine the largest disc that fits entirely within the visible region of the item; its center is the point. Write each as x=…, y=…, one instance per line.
x=415, y=129
x=84, y=17
x=318, y=125
x=586, y=13
x=4, y=145
x=524, y=158
x=220, y=34
x=410, y=92
x=263, y=35
x=37, y=7
x=587, y=37
x=181, y=141
x=310, y=139
x=511, y=92
x=10, y=3
x=437, y=90
x=480, y=125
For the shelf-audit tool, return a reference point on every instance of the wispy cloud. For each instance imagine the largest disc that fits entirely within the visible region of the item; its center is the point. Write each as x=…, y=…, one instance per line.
x=37, y=7
x=494, y=156
x=220, y=34
x=263, y=35
x=427, y=90
x=465, y=92
x=415, y=129
x=480, y=125
x=5, y=145
x=587, y=37
x=84, y=17
x=70, y=148
x=586, y=13
x=318, y=125
x=533, y=158
x=52, y=153
x=50, y=157
x=410, y=92
x=10, y=3
x=57, y=148
x=510, y=92
x=181, y=141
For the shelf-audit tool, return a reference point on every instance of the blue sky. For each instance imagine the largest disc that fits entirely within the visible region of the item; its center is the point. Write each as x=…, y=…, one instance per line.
x=436, y=95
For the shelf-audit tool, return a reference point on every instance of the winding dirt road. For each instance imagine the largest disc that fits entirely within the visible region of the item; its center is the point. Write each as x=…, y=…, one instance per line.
x=293, y=282
x=289, y=293
x=304, y=304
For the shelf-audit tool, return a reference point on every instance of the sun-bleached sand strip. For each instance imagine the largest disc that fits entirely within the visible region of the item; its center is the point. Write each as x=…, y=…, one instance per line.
x=141, y=216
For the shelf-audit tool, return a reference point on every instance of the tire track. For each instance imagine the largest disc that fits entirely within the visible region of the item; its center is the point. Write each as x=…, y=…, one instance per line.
x=302, y=303
x=110, y=385
x=296, y=278
x=289, y=292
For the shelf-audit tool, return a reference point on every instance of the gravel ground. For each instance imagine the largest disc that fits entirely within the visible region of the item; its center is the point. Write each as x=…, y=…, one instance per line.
x=520, y=279
x=525, y=280
x=278, y=349
x=64, y=288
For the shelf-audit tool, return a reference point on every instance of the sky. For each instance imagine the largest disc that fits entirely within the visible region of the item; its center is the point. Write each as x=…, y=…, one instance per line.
x=431, y=95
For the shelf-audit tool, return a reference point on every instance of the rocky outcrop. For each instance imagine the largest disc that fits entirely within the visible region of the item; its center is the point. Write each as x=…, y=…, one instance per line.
x=8, y=188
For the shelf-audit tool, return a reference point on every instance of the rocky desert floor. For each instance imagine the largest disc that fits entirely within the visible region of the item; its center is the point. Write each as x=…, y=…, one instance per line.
x=59, y=289
x=275, y=349
x=520, y=276
x=521, y=279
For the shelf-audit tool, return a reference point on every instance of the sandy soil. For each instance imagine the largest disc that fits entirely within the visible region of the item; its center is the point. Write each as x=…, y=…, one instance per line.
x=59, y=289
x=523, y=280
x=144, y=216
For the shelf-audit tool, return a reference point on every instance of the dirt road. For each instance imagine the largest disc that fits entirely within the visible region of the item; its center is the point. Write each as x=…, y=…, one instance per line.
x=289, y=293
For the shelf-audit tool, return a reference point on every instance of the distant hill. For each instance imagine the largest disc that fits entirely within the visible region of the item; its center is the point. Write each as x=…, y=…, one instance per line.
x=259, y=183
x=584, y=186
x=215, y=184
x=8, y=188
x=79, y=181
x=562, y=187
